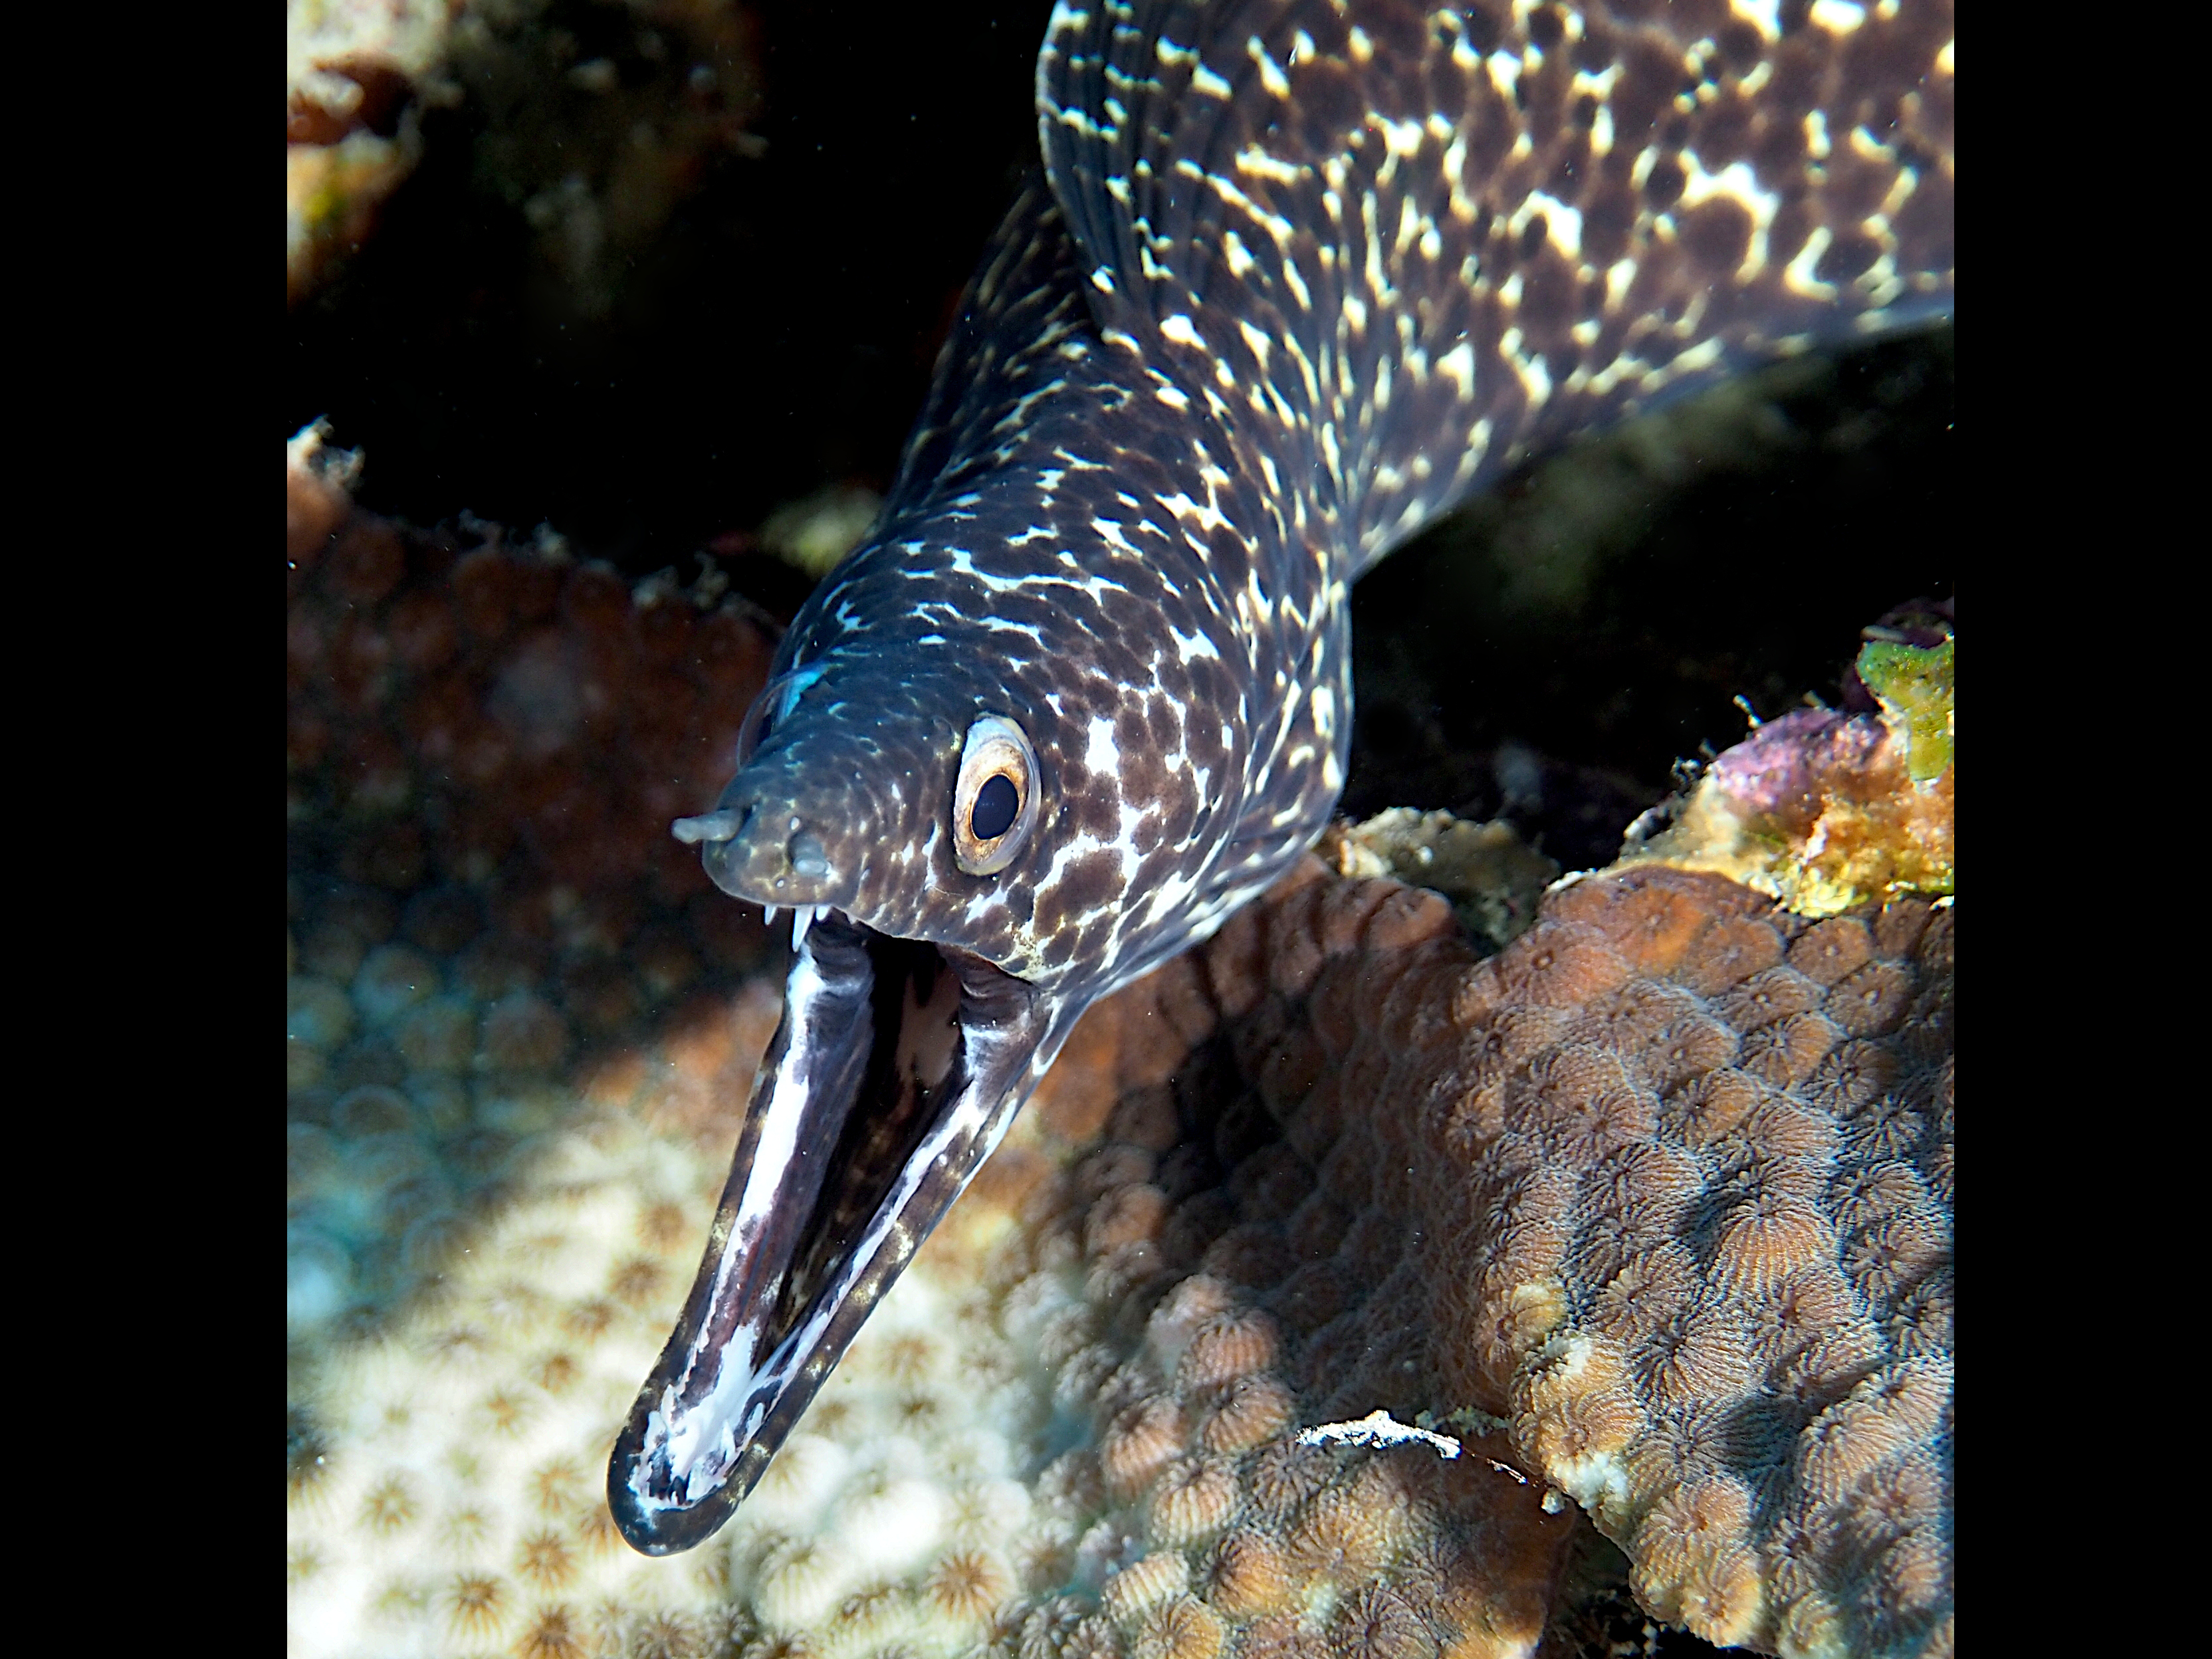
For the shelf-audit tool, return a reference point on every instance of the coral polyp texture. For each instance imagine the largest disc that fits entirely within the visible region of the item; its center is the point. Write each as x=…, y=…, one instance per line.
x=452, y=1499
x=1663, y=1192
x=486, y=935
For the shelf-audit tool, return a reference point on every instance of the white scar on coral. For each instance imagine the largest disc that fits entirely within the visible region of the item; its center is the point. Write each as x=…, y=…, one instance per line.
x=1379, y=1428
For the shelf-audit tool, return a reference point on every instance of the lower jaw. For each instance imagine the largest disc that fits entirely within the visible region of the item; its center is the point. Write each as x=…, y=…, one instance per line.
x=909, y=1058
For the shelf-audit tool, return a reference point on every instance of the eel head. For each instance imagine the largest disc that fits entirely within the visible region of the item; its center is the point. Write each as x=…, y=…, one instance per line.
x=918, y=827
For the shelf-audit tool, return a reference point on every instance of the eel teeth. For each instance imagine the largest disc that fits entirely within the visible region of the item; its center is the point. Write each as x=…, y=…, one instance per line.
x=770, y=913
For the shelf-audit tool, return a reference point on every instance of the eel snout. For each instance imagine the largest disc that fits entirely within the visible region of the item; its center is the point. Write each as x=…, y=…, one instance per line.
x=771, y=851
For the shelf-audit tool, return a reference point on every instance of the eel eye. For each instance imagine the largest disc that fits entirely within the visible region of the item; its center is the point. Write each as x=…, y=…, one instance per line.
x=995, y=803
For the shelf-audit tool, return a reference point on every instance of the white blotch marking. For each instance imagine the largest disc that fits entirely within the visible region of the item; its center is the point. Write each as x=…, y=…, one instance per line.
x=1764, y=15
x=1109, y=531
x=1597, y=84
x=1100, y=754
x=1399, y=138
x=1271, y=74
x=1258, y=341
x=1458, y=364
x=1740, y=184
x=1816, y=135
x=1617, y=276
x=1258, y=163
x=1797, y=276
x=1602, y=132
x=1563, y=225
x=964, y=563
x=1188, y=645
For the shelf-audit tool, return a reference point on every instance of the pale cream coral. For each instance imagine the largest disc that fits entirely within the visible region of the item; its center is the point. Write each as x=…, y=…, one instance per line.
x=459, y=1496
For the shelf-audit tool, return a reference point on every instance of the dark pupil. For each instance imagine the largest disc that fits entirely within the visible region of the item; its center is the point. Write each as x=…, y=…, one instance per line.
x=996, y=806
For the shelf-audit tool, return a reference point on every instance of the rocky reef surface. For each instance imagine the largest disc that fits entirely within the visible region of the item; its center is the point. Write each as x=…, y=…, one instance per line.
x=594, y=121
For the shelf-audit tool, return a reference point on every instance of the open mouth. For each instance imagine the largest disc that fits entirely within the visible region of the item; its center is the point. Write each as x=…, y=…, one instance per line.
x=896, y=1068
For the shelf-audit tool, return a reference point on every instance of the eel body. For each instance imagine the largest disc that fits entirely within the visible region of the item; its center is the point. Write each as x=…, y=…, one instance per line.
x=1300, y=276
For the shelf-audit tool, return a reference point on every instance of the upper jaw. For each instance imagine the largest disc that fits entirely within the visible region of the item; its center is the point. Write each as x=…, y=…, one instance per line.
x=895, y=1069
x=765, y=842
x=748, y=860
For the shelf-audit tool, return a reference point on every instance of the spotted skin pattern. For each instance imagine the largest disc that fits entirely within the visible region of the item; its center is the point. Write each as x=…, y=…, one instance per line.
x=1302, y=275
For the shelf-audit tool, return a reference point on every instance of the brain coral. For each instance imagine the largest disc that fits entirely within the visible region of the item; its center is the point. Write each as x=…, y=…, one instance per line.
x=1665, y=1187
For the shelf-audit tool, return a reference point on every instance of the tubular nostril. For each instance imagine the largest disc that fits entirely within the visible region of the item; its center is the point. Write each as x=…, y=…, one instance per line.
x=725, y=825
x=809, y=858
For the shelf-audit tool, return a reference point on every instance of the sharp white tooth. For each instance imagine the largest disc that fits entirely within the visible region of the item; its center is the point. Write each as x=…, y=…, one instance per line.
x=802, y=918
x=770, y=913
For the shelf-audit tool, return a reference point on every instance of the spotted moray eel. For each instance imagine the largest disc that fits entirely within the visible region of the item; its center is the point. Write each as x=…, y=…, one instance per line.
x=1302, y=274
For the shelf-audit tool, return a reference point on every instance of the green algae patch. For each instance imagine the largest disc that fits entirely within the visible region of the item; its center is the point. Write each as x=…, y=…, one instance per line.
x=1912, y=684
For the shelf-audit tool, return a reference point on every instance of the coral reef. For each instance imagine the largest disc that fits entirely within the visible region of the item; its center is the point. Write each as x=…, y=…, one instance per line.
x=1650, y=1211
x=1825, y=808
x=1205, y=1343
x=444, y=1478
x=1913, y=684
x=1706, y=1180
x=447, y=1490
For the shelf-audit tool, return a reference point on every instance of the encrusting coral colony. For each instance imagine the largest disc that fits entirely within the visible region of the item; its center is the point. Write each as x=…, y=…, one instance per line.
x=1647, y=1215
